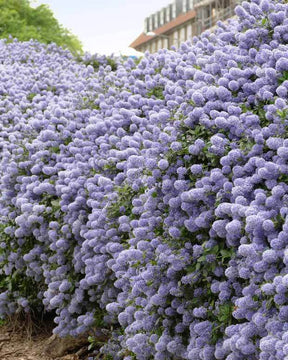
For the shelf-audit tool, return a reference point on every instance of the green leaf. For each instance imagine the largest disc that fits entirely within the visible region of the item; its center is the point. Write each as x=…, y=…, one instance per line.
x=215, y=249
x=264, y=21
x=283, y=77
x=55, y=203
x=157, y=92
x=201, y=259
x=282, y=113
x=190, y=268
x=31, y=96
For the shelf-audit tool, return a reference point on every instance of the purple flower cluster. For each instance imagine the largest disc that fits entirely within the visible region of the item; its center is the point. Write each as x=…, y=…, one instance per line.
x=152, y=199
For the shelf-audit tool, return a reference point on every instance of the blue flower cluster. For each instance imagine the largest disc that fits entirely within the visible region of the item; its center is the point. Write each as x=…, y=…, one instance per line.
x=152, y=200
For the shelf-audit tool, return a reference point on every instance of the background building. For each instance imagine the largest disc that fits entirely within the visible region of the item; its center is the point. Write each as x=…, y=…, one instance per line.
x=180, y=21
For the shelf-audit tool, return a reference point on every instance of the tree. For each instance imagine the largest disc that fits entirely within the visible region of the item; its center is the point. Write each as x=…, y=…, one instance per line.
x=20, y=20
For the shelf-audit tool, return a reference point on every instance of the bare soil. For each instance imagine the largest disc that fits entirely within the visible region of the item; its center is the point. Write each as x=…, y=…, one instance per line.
x=22, y=342
x=17, y=346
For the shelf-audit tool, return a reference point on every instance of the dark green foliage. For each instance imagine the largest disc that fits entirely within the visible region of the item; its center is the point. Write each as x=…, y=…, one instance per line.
x=19, y=20
x=283, y=78
x=157, y=91
x=123, y=204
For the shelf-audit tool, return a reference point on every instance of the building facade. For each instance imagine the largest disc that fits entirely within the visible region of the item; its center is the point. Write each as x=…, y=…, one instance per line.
x=180, y=21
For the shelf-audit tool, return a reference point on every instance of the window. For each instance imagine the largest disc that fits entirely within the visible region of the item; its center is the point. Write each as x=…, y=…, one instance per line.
x=182, y=34
x=146, y=26
x=150, y=23
x=191, y=4
x=162, y=17
x=165, y=43
x=174, y=10
x=168, y=13
x=156, y=25
x=184, y=6
x=176, y=39
x=189, y=32
x=207, y=12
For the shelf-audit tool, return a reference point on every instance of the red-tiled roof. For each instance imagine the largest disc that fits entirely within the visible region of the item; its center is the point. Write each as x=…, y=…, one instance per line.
x=141, y=39
x=181, y=19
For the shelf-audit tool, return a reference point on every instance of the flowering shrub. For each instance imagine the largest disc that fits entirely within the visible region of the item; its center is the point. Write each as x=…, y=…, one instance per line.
x=153, y=199
x=96, y=60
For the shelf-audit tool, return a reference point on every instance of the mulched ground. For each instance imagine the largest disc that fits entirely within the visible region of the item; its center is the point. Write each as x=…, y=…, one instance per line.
x=21, y=341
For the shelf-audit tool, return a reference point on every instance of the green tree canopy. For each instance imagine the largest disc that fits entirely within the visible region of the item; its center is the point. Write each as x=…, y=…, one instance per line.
x=19, y=19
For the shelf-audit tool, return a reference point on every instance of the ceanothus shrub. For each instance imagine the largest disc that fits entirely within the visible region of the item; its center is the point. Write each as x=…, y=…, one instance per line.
x=96, y=60
x=152, y=200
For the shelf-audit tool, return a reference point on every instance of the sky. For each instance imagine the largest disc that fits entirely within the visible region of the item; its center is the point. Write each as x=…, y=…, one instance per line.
x=104, y=26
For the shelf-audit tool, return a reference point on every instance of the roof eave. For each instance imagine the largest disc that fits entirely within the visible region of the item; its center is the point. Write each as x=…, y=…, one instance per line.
x=178, y=21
